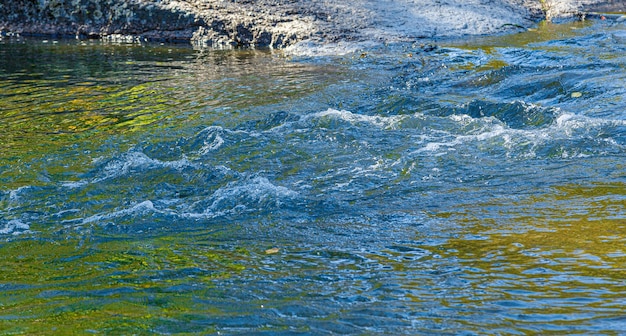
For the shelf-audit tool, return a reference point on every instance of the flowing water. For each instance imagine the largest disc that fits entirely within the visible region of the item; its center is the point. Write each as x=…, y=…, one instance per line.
x=478, y=187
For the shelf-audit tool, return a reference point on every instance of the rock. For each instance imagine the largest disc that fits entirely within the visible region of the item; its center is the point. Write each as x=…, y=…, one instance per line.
x=273, y=250
x=279, y=23
x=605, y=6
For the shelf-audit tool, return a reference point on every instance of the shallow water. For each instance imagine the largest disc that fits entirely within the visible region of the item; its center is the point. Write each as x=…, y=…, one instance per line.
x=477, y=188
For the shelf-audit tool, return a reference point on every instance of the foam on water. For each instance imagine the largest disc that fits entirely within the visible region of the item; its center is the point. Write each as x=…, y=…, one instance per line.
x=603, y=135
x=253, y=194
x=220, y=191
x=15, y=227
x=14, y=195
x=130, y=163
x=357, y=119
x=134, y=161
x=143, y=208
x=212, y=142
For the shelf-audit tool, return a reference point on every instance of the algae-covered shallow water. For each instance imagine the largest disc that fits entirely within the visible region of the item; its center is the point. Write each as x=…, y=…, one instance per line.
x=477, y=188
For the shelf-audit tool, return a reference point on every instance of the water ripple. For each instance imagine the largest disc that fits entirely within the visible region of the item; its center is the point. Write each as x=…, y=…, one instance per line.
x=474, y=188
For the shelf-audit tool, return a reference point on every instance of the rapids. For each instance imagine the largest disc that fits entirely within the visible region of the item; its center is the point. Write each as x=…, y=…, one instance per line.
x=461, y=187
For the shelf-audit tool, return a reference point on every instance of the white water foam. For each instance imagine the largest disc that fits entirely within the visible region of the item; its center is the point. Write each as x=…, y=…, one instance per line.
x=235, y=197
x=451, y=141
x=130, y=161
x=14, y=195
x=213, y=140
x=569, y=122
x=353, y=118
x=135, y=159
x=139, y=208
x=566, y=126
x=15, y=227
x=241, y=196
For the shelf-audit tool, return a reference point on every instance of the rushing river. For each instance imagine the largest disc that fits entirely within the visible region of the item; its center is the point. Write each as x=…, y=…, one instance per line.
x=478, y=187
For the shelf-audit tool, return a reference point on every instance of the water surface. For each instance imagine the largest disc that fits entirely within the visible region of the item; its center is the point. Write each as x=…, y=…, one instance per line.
x=475, y=188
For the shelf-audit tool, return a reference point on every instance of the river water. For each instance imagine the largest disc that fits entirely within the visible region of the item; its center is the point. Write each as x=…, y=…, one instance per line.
x=475, y=187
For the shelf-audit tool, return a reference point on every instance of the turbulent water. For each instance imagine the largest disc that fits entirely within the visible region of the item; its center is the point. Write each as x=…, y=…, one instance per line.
x=472, y=187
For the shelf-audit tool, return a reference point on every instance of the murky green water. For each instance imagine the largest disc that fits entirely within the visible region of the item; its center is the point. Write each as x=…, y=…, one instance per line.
x=478, y=188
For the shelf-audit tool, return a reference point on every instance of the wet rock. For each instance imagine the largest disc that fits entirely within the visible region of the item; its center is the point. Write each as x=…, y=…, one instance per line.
x=273, y=250
x=279, y=23
x=579, y=8
x=607, y=6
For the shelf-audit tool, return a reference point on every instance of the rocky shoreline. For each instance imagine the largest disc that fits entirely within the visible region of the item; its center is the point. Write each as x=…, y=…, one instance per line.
x=281, y=23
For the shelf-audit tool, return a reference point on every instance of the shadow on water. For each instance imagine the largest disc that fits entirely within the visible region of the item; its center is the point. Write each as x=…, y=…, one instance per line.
x=474, y=188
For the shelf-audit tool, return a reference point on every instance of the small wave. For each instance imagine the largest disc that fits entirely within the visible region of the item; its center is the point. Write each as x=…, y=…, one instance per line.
x=273, y=121
x=569, y=135
x=516, y=115
x=213, y=138
x=252, y=194
x=488, y=133
x=130, y=162
x=206, y=141
x=137, y=209
x=136, y=160
x=356, y=119
x=244, y=196
x=570, y=121
x=14, y=195
x=619, y=37
x=15, y=227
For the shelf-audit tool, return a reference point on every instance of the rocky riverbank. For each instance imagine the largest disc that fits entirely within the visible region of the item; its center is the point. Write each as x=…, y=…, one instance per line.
x=281, y=23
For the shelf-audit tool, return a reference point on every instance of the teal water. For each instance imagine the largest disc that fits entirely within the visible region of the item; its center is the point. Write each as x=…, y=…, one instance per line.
x=475, y=188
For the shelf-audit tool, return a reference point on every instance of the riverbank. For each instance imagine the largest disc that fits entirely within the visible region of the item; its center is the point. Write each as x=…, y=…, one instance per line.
x=281, y=23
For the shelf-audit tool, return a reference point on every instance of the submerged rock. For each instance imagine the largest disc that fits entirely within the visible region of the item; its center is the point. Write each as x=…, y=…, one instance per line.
x=277, y=23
